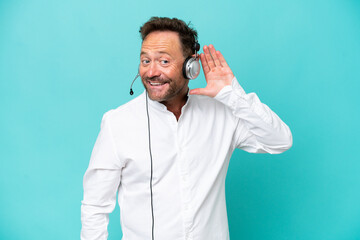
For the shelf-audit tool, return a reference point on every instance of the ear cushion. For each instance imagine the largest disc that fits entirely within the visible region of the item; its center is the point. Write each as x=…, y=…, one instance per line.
x=184, y=67
x=191, y=68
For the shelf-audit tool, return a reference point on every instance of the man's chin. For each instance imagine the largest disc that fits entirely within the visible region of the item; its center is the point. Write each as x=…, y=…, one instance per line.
x=159, y=97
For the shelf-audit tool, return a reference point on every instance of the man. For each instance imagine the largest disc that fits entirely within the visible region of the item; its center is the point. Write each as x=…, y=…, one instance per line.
x=167, y=151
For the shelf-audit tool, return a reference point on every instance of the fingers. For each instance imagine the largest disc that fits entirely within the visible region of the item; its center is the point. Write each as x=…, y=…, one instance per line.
x=214, y=55
x=211, y=58
x=221, y=59
x=208, y=57
x=204, y=63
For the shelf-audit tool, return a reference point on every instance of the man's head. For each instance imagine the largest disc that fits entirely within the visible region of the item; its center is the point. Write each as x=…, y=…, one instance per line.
x=187, y=34
x=166, y=44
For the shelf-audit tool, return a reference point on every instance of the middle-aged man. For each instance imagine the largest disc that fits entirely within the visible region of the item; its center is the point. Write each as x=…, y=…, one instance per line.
x=167, y=151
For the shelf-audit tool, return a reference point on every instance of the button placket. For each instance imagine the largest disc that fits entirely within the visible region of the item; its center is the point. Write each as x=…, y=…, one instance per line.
x=185, y=187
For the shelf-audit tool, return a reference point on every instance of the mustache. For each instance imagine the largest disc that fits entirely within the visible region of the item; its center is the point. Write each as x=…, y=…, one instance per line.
x=156, y=79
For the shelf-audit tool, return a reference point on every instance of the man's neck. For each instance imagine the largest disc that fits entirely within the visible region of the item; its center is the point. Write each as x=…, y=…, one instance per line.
x=175, y=105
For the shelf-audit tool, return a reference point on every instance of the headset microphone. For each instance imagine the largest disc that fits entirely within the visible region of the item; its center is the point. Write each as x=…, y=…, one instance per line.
x=137, y=75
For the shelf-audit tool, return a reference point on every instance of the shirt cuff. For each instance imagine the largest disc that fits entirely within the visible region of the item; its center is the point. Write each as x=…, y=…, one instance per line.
x=231, y=94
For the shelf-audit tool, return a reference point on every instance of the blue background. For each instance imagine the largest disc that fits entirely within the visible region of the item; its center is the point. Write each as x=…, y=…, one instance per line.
x=64, y=63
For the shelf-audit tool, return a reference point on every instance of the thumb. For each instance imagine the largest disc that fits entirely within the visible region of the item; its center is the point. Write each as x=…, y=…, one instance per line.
x=199, y=91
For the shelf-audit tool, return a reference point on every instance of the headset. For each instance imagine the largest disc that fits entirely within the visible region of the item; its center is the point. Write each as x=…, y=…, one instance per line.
x=190, y=70
x=191, y=67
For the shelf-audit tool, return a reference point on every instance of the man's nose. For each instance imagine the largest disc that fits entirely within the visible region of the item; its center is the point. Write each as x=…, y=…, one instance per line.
x=153, y=70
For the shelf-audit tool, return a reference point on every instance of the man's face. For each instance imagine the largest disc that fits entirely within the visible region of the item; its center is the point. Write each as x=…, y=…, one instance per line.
x=161, y=66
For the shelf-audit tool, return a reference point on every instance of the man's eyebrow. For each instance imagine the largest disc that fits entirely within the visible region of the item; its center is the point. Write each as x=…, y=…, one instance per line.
x=161, y=52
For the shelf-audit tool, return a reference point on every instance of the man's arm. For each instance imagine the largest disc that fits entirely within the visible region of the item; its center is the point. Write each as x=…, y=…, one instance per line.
x=101, y=182
x=259, y=129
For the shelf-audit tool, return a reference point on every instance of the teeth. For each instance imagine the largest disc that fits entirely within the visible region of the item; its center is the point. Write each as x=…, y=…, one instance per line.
x=155, y=84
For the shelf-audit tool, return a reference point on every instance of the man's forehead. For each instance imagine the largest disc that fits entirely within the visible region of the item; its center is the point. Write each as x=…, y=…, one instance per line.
x=163, y=35
x=161, y=41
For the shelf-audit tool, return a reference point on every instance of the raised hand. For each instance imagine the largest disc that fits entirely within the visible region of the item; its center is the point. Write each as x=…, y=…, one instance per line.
x=217, y=73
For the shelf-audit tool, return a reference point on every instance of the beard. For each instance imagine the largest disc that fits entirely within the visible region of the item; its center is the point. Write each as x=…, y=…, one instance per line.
x=168, y=88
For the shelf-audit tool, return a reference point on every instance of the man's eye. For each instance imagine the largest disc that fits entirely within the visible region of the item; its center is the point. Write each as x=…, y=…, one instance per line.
x=164, y=61
x=145, y=61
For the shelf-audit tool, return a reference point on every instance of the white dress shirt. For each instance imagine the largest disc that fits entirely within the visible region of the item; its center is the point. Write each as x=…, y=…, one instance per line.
x=190, y=162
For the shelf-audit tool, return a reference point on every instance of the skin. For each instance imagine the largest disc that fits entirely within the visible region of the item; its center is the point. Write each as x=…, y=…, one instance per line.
x=161, y=70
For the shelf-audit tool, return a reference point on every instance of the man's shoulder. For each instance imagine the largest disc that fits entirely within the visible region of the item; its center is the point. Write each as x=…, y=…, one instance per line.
x=127, y=110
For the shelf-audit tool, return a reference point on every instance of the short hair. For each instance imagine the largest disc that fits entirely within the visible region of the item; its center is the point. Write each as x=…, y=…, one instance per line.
x=187, y=35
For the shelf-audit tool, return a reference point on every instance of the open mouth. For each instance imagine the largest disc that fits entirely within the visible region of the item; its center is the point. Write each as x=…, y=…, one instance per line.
x=156, y=83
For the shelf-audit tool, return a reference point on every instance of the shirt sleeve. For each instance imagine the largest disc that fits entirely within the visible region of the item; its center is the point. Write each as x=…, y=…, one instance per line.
x=259, y=129
x=101, y=182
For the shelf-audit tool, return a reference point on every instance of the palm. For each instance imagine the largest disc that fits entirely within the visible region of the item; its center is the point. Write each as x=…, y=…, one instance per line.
x=217, y=73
